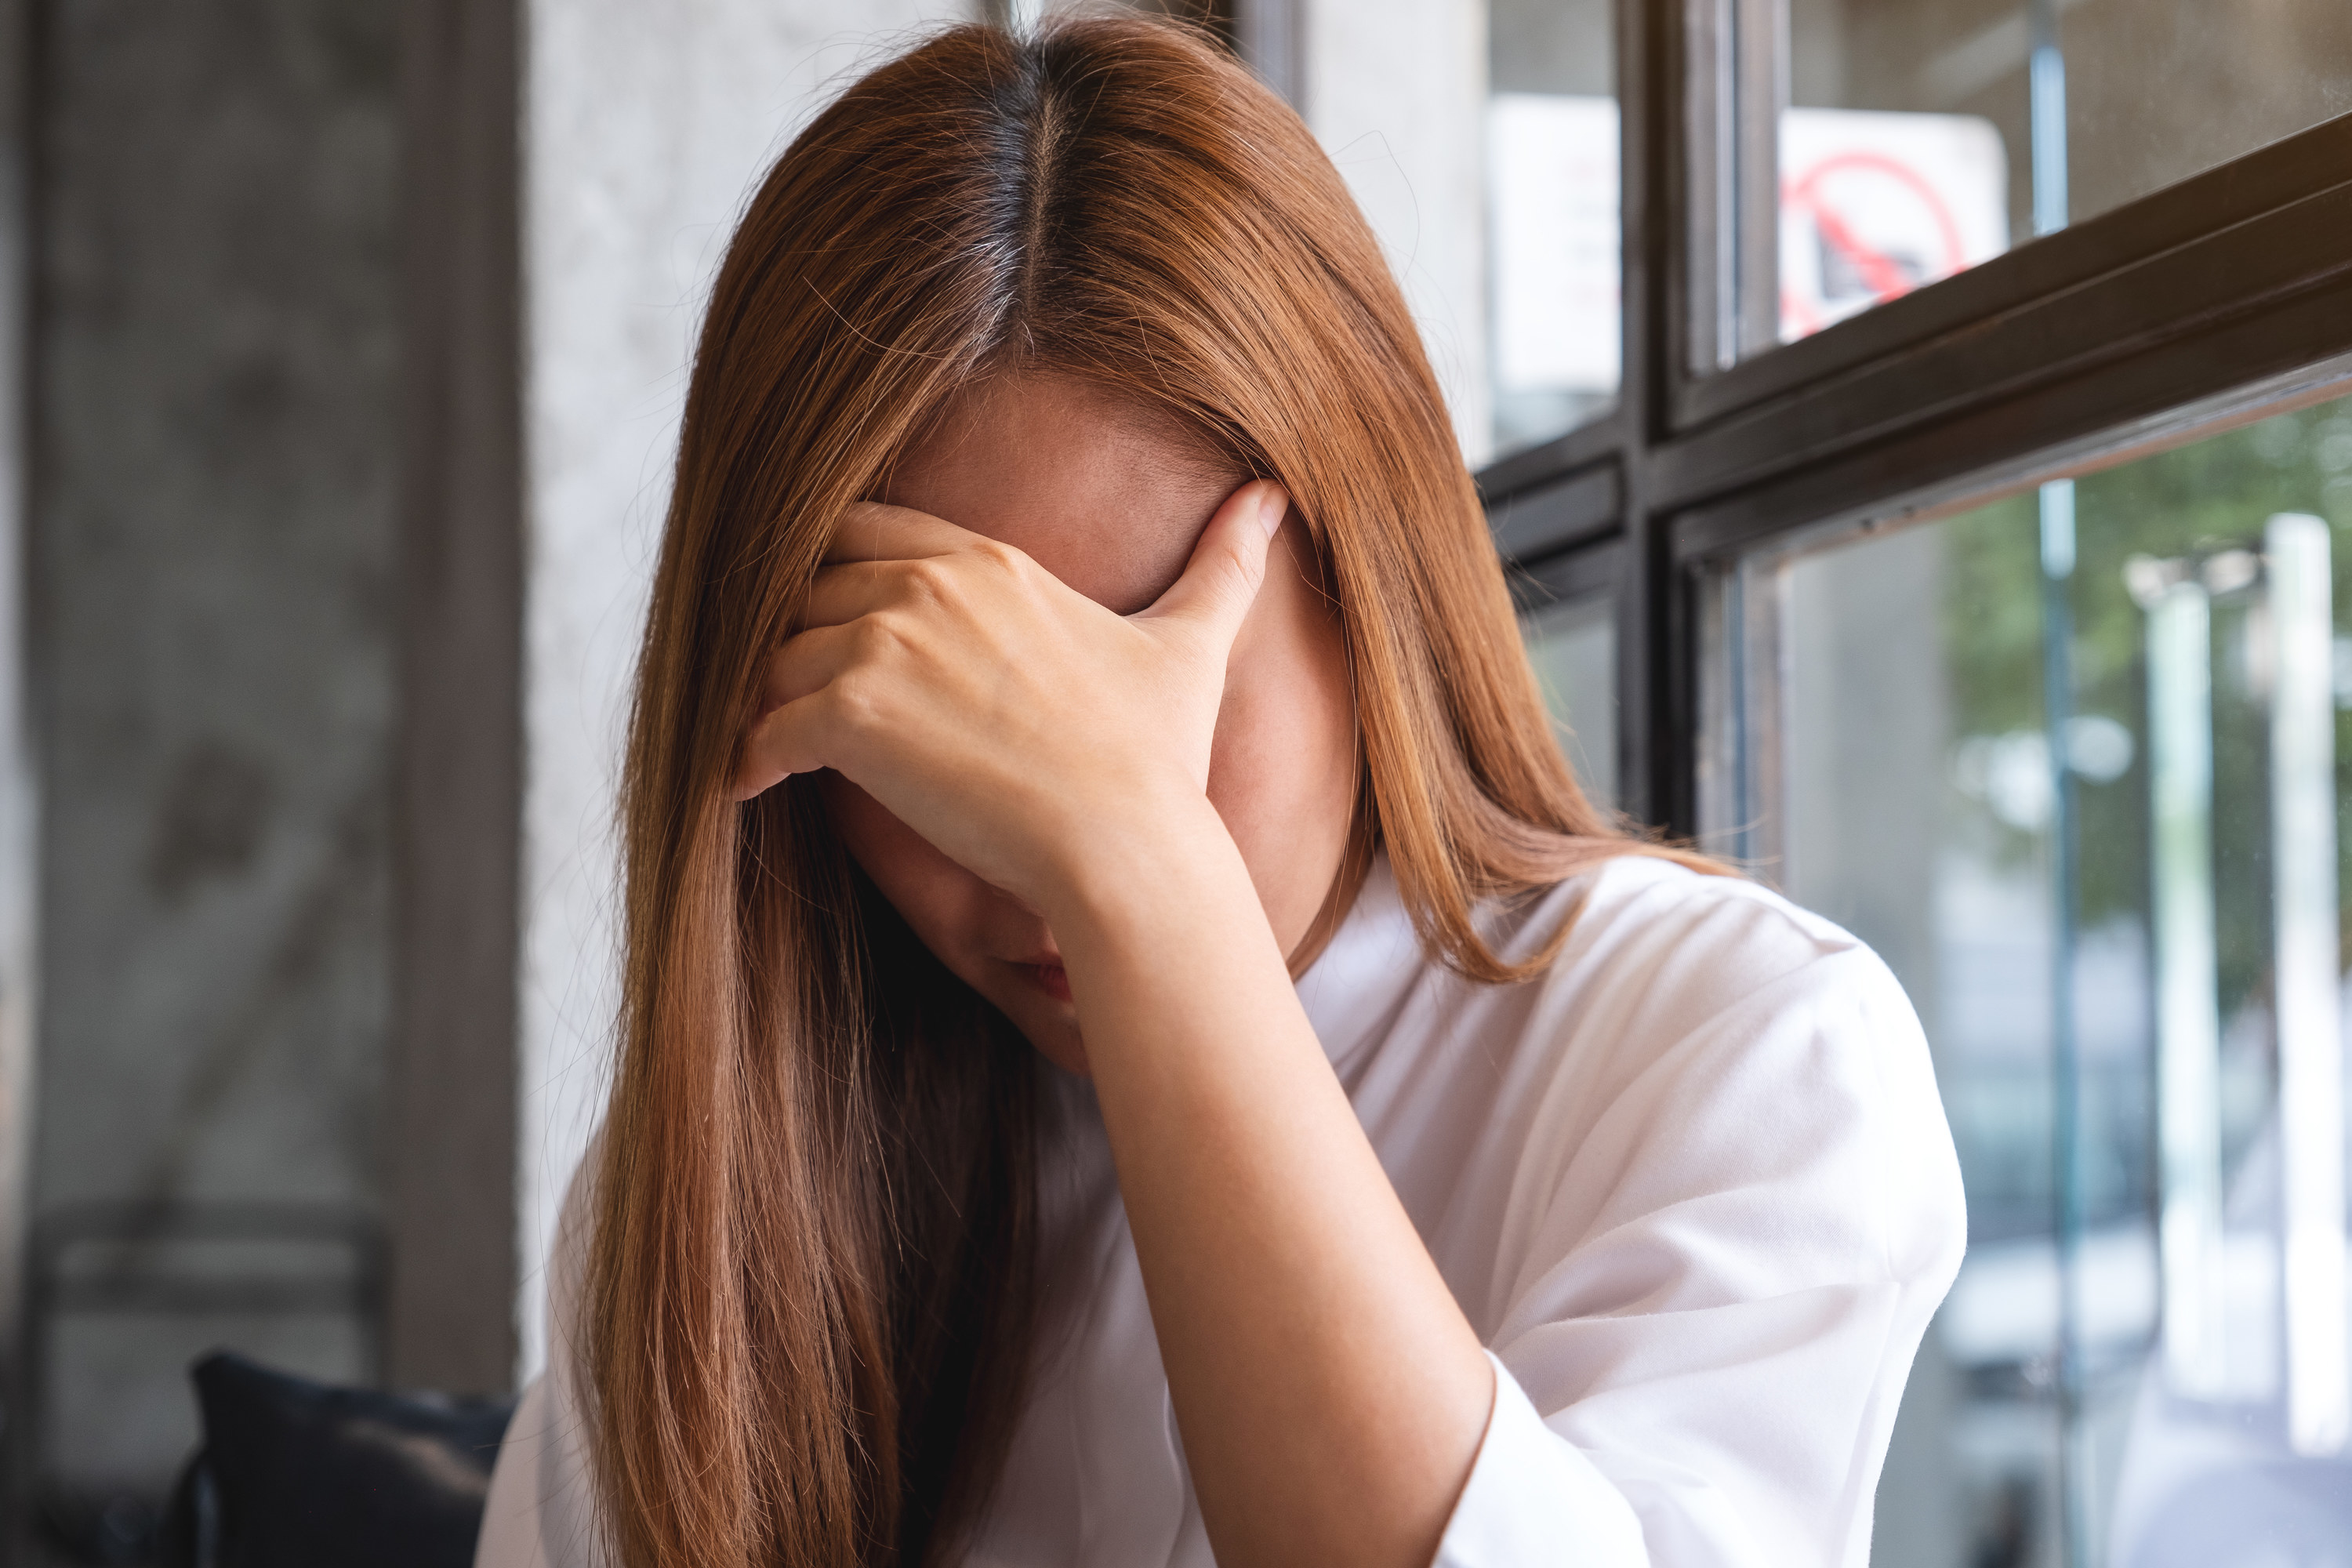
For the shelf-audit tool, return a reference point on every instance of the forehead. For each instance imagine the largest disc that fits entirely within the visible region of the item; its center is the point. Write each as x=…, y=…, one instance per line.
x=1105, y=494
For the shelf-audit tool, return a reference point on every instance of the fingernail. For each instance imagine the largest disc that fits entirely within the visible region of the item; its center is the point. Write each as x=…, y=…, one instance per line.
x=1271, y=508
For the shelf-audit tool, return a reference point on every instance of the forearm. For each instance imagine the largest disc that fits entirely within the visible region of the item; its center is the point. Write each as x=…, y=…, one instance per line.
x=1331, y=1394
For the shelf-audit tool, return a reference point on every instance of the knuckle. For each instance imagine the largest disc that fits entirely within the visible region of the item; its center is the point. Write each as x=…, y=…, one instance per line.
x=1002, y=557
x=931, y=580
x=854, y=703
x=875, y=636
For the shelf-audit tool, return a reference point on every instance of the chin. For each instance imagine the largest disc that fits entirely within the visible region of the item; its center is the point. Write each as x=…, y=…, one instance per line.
x=1054, y=1032
x=1056, y=1038
x=1046, y=1022
x=1069, y=1053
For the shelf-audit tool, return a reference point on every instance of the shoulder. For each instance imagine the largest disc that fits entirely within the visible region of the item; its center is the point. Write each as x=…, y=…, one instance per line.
x=567, y=1262
x=1657, y=957
x=1660, y=961
x=542, y=1511
x=1701, y=1034
x=1685, y=944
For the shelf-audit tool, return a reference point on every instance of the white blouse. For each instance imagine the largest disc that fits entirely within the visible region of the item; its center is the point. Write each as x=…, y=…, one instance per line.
x=1692, y=1186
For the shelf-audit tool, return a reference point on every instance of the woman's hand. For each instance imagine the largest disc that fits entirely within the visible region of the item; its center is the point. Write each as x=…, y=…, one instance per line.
x=1020, y=727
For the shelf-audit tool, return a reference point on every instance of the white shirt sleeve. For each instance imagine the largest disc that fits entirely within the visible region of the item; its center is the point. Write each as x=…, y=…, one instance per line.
x=1532, y=1499
x=1721, y=1251
x=542, y=1510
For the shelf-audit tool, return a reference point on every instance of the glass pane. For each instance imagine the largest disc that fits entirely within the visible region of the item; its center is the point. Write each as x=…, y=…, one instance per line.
x=1573, y=647
x=1923, y=136
x=2074, y=764
x=1551, y=170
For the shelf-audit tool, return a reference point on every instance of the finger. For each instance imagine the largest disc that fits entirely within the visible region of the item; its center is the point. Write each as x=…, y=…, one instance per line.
x=780, y=742
x=839, y=595
x=784, y=743
x=869, y=530
x=806, y=663
x=1221, y=581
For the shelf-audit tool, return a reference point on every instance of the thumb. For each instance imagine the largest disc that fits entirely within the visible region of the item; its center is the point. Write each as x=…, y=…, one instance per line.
x=1221, y=581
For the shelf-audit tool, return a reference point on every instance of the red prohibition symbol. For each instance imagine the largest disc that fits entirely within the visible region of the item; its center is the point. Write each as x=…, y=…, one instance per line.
x=1880, y=271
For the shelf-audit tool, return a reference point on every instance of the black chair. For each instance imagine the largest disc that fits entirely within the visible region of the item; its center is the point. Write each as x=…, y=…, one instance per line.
x=171, y=1266
x=295, y=1474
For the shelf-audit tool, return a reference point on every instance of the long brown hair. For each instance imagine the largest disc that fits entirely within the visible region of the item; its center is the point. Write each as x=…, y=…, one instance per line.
x=807, y=1312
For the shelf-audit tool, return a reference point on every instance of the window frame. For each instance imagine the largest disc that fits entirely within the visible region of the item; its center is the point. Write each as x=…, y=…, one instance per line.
x=2193, y=308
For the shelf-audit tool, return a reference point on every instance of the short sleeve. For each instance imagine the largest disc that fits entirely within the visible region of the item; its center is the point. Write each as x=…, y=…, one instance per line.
x=1533, y=1502
x=512, y=1535
x=541, y=1513
x=1721, y=1253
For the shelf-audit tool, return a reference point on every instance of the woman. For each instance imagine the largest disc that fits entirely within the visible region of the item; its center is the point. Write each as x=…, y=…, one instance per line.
x=1076, y=636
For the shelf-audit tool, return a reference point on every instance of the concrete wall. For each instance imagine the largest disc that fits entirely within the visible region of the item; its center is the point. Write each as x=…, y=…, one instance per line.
x=212, y=531
x=1396, y=91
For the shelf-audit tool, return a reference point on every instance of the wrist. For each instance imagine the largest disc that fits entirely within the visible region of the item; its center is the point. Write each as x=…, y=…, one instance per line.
x=1149, y=867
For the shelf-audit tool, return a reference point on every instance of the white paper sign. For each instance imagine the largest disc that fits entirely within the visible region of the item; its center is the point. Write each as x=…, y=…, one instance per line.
x=1873, y=206
x=1552, y=182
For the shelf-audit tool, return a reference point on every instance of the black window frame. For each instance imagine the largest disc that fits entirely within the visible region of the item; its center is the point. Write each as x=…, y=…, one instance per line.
x=2204, y=304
